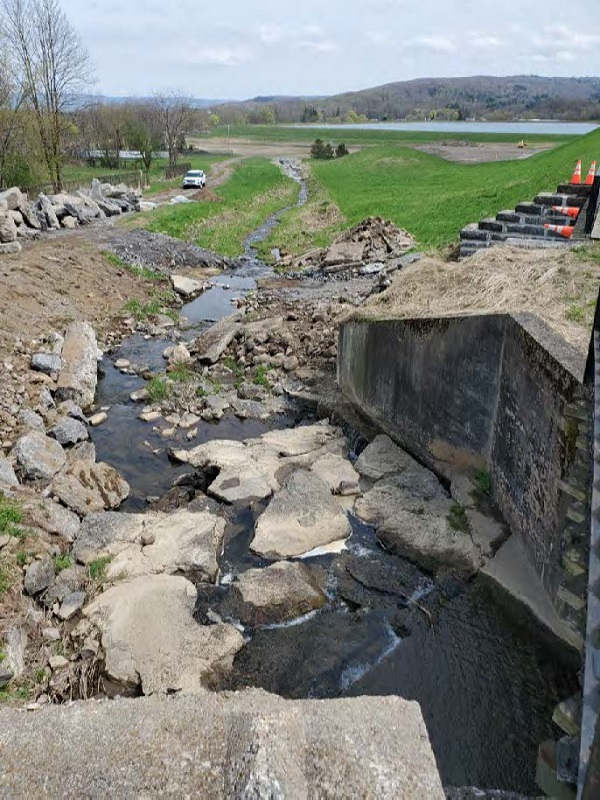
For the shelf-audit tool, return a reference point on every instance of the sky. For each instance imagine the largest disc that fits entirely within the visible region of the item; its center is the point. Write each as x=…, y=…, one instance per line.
x=243, y=48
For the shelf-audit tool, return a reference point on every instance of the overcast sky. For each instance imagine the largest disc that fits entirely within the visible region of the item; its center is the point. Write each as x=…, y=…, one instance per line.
x=242, y=48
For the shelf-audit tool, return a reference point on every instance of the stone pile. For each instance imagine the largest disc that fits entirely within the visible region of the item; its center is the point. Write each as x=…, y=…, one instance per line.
x=367, y=246
x=21, y=218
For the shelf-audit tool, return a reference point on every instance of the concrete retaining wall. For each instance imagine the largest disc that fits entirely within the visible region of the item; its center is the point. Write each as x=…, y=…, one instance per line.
x=496, y=392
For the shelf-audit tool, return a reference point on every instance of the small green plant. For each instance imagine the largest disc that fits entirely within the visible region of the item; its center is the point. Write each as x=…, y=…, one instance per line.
x=260, y=376
x=158, y=389
x=62, y=562
x=234, y=366
x=216, y=385
x=457, y=518
x=575, y=313
x=182, y=374
x=135, y=269
x=2, y=656
x=141, y=311
x=10, y=517
x=21, y=558
x=483, y=481
x=97, y=568
x=40, y=675
x=201, y=391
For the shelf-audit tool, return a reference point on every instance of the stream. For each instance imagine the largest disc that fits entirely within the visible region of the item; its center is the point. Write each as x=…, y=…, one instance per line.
x=486, y=687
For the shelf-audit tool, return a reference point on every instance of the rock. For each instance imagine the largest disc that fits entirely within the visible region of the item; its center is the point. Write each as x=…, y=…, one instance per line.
x=150, y=637
x=382, y=457
x=29, y=420
x=179, y=355
x=14, y=198
x=212, y=343
x=188, y=420
x=8, y=229
x=344, y=252
x=39, y=456
x=69, y=222
x=412, y=517
x=7, y=473
x=87, y=487
x=51, y=634
x=51, y=517
x=83, y=451
x=79, y=373
x=10, y=248
x=338, y=473
x=69, y=431
x=71, y=605
x=245, y=745
x=57, y=662
x=98, y=419
x=182, y=542
x=68, y=581
x=38, y=576
x=6, y=675
x=139, y=395
x=150, y=416
x=301, y=440
x=48, y=211
x=301, y=516
x=186, y=287
x=277, y=593
x=290, y=363
x=48, y=363
x=14, y=647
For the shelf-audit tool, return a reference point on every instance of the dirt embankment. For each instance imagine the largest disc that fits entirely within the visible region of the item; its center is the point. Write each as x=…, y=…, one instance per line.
x=560, y=287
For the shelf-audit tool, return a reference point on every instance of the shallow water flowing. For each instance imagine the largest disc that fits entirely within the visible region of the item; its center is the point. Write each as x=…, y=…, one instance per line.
x=486, y=688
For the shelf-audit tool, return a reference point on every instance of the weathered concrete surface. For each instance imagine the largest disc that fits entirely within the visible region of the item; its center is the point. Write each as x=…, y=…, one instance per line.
x=511, y=574
x=250, y=744
x=491, y=392
x=151, y=639
x=301, y=516
x=79, y=374
x=212, y=343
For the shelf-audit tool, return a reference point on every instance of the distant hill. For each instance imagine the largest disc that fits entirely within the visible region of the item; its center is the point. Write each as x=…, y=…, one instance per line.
x=477, y=97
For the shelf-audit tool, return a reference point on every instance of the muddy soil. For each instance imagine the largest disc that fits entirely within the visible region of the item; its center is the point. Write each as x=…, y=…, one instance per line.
x=478, y=152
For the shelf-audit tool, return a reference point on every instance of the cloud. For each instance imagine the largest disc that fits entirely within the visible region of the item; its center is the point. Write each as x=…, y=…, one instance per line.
x=483, y=41
x=318, y=46
x=270, y=34
x=222, y=56
x=378, y=37
x=440, y=44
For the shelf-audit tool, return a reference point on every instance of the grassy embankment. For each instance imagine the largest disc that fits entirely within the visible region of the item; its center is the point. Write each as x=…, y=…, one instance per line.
x=73, y=172
x=256, y=189
x=430, y=197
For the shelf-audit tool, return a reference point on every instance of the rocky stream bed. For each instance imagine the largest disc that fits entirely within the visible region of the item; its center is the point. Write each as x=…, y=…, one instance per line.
x=225, y=526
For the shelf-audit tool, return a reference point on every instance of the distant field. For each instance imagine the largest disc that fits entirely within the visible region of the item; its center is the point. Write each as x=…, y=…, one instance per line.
x=430, y=197
x=357, y=136
x=256, y=189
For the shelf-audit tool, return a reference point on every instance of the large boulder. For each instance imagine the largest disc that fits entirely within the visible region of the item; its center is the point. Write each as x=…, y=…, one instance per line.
x=69, y=431
x=414, y=518
x=145, y=544
x=301, y=517
x=87, y=487
x=38, y=576
x=187, y=287
x=301, y=440
x=79, y=373
x=48, y=211
x=38, y=456
x=7, y=473
x=382, y=457
x=14, y=199
x=338, y=473
x=42, y=512
x=274, y=594
x=151, y=640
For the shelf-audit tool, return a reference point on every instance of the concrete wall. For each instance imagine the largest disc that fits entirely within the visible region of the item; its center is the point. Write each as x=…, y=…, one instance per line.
x=497, y=392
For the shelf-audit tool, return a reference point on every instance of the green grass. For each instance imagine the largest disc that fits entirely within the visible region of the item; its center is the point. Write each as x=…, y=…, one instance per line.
x=256, y=190
x=62, y=562
x=433, y=198
x=158, y=389
x=374, y=135
x=135, y=269
x=260, y=376
x=11, y=516
x=141, y=310
x=182, y=374
x=97, y=568
x=483, y=481
x=457, y=518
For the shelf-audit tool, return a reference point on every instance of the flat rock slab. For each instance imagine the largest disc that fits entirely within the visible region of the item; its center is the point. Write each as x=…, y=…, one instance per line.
x=212, y=343
x=79, y=373
x=187, y=287
x=141, y=747
x=38, y=456
x=87, y=487
x=301, y=516
x=382, y=457
x=411, y=514
x=42, y=512
x=151, y=639
x=338, y=473
x=277, y=593
x=300, y=440
x=69, y=431
x=145, y=544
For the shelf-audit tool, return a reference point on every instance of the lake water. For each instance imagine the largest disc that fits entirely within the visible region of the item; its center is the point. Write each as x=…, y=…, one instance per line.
x=526, y=127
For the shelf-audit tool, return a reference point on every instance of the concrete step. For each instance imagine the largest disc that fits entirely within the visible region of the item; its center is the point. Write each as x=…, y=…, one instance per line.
x=535, y=209
x=491, y=224
x=473, y=232
x=574, y=188
x=526, y=230
x=549, y=199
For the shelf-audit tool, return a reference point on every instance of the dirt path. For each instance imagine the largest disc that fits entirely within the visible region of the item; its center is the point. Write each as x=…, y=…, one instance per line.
x=220, y=172
x=478, y=152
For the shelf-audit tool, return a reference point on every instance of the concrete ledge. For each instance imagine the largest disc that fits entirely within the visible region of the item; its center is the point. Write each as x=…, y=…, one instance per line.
x=225, y=745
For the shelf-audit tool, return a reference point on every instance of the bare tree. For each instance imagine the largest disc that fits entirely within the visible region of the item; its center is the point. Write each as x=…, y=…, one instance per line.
x=176, y=116
x=144, y=131
x=55, y=67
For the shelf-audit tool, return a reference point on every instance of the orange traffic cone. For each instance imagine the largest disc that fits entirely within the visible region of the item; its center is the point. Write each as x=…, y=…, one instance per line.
x=569, y=211
x=591, y=174
x=563, y=230
x=577, y=174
